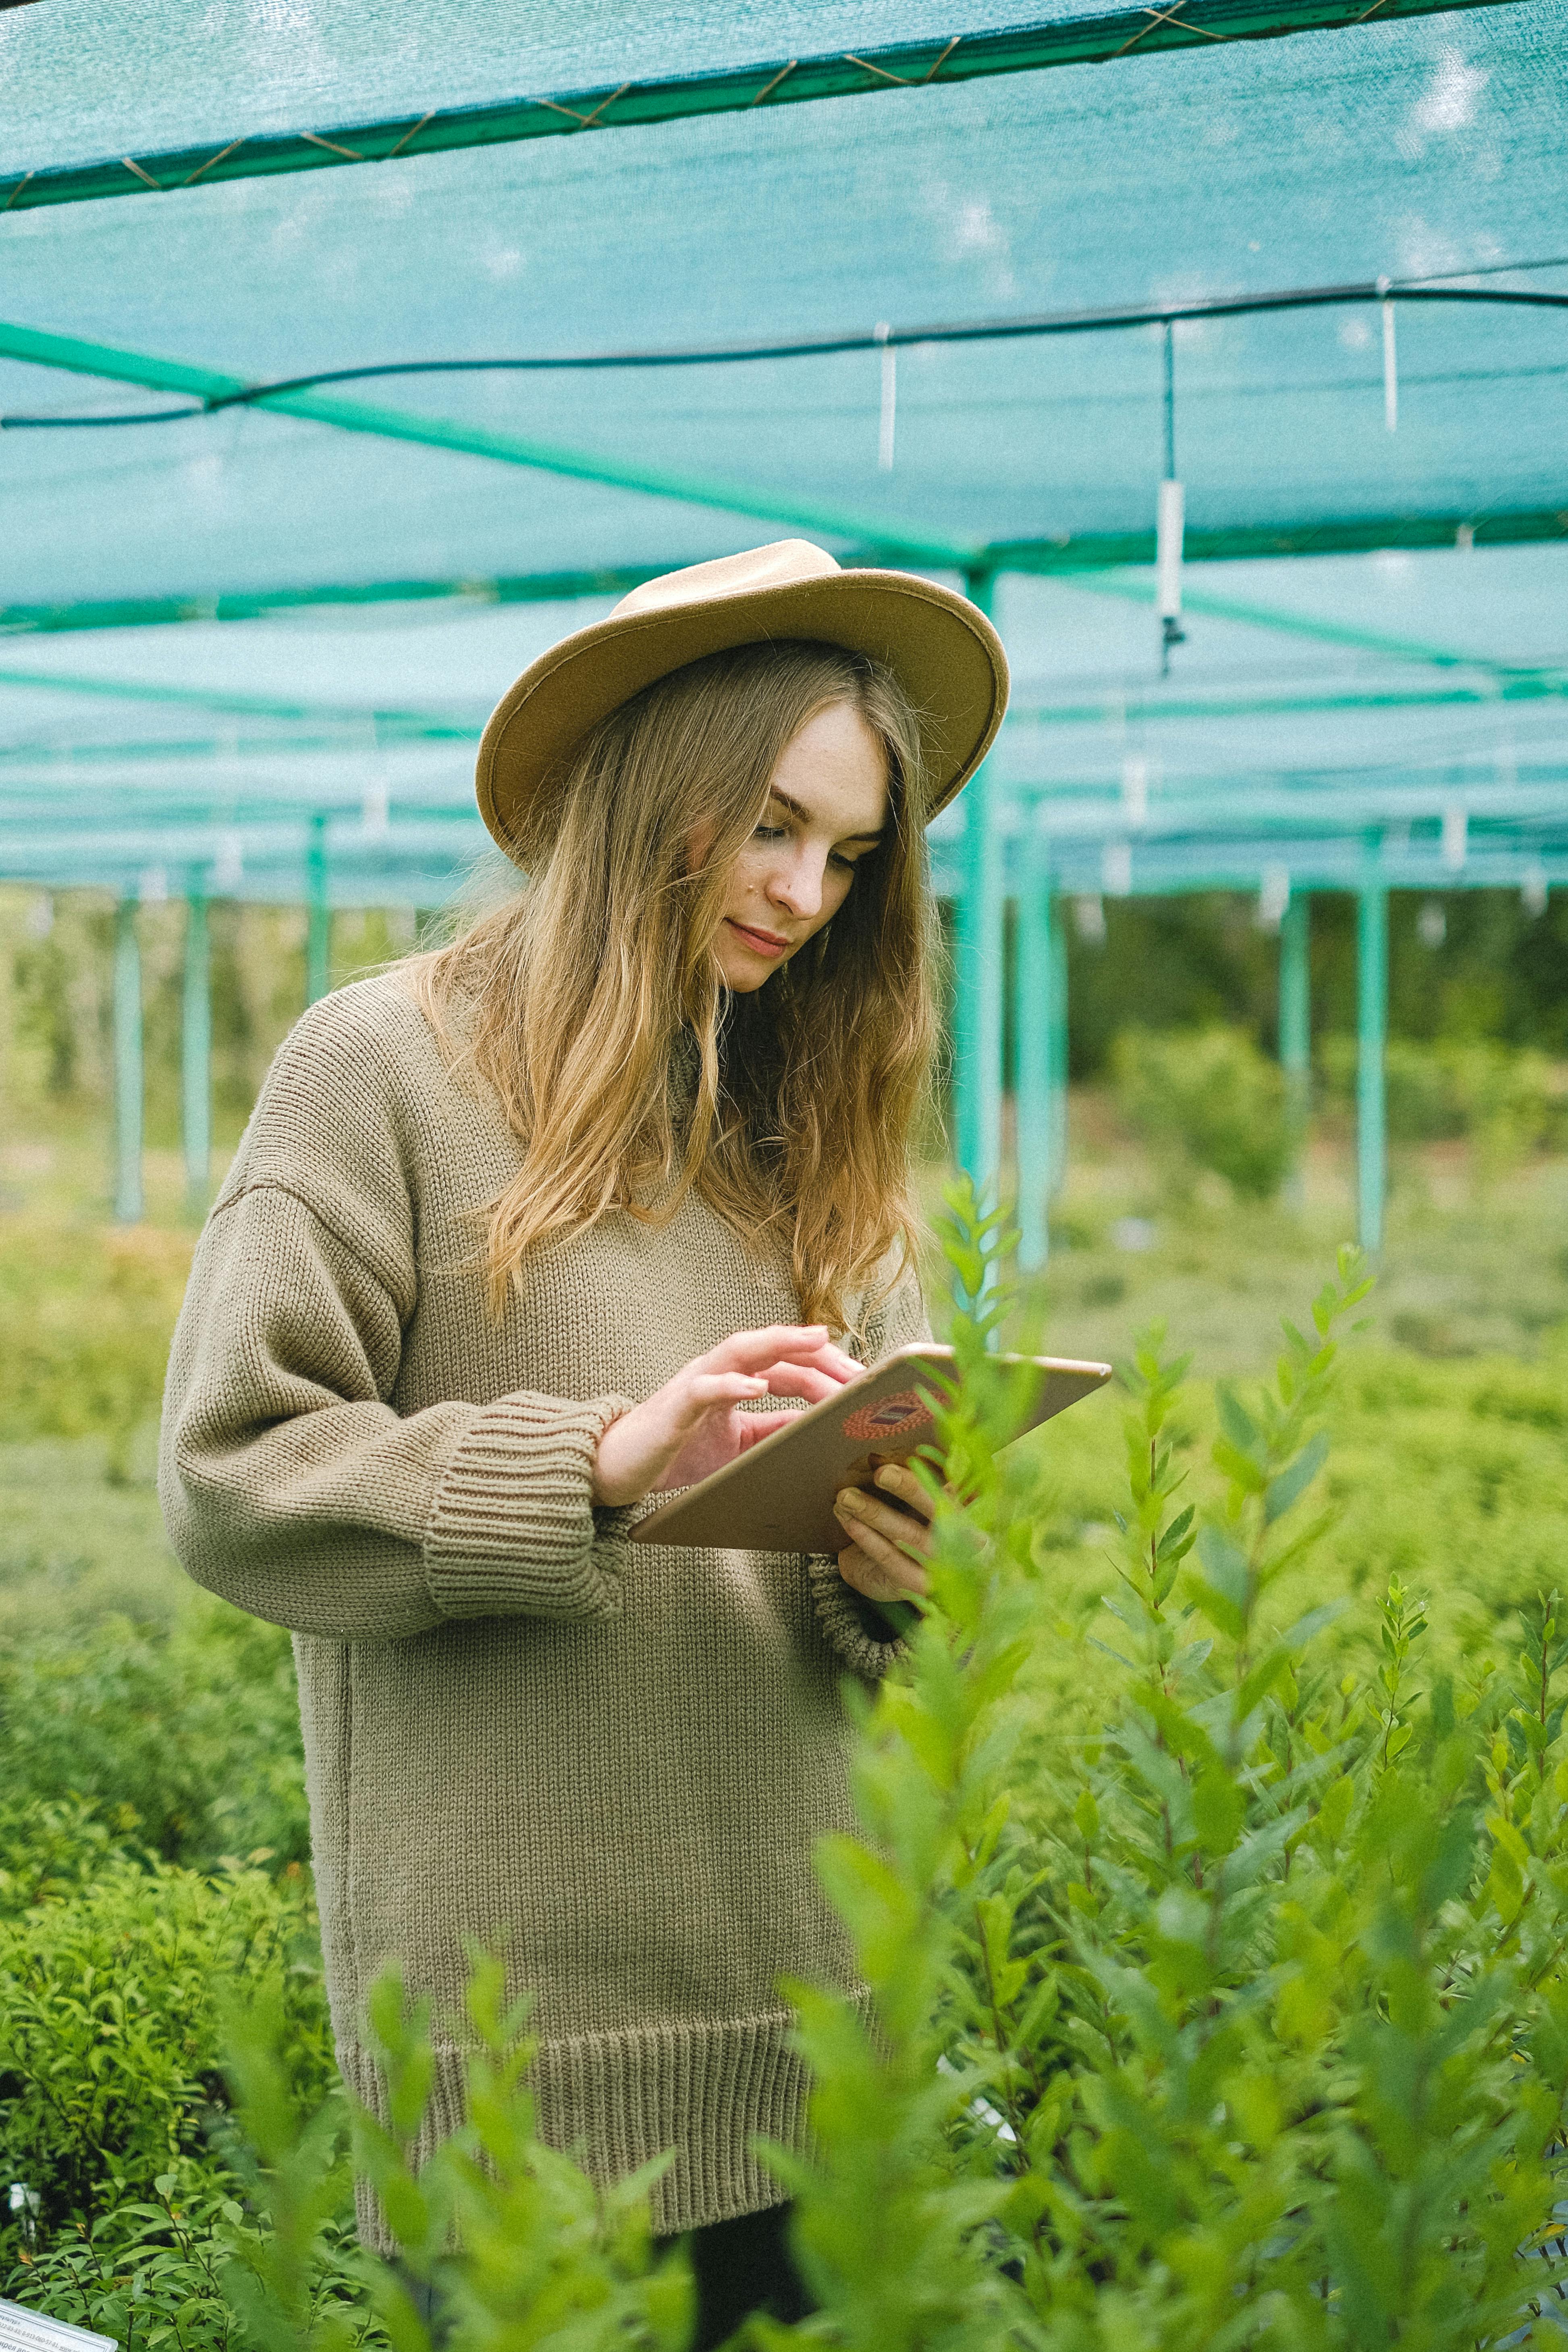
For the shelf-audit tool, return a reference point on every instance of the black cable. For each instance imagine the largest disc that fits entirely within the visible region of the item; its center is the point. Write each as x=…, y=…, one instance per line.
x=1059, y=322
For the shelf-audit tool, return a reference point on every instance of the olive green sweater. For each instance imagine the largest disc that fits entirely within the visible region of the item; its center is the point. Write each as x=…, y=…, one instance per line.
x=611, y=1760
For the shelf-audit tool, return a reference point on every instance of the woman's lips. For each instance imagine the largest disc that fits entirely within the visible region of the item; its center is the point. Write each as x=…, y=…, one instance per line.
x=763, y=943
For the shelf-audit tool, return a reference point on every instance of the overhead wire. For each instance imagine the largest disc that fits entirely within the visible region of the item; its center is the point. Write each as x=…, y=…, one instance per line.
x=882, y=339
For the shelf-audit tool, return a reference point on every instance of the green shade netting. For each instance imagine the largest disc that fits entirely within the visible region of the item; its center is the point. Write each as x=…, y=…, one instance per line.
x=1406, y=149
x=1413, y=708
x=81, y=84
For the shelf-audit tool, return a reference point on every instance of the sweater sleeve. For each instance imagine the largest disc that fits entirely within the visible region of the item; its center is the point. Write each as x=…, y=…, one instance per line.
x=855, y=1627
x=290, y=1482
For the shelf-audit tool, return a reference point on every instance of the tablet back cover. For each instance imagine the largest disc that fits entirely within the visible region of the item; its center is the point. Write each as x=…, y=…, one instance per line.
x=779, y=1497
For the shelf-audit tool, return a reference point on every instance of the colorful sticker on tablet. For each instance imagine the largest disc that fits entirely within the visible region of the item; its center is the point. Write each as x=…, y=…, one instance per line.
x=892, y=1416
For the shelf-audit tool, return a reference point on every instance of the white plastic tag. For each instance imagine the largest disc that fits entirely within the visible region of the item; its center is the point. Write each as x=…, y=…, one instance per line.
x=33, y=2331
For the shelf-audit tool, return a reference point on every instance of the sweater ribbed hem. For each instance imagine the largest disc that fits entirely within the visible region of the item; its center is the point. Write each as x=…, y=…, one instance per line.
x=512, y=1527
x=846, y=1618
x=615, y=2100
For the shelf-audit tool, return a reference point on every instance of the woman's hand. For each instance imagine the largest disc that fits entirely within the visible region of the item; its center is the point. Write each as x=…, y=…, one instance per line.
x=883, y=1560
x=691, y=1426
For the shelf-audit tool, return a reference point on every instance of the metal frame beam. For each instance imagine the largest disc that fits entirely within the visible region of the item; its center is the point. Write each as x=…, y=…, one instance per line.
x=129, y=1075
x=977, y=1012
x=1371, y=1038
x=789, y=81
x=1296, y=1028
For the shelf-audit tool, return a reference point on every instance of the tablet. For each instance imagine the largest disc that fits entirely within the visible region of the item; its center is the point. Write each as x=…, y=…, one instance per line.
x=779, y=1495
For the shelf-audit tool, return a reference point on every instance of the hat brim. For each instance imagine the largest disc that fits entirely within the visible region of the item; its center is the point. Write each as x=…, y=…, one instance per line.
x=940, y=646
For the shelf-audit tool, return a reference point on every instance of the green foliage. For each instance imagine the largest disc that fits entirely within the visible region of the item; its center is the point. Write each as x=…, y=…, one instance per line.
x=1503, y=1098
x=188, y=1734
x=1251, y=2027
x=1206, y=1098
x=85, y=1318
x=546, y=2258
x=1213, y=1957
x=148, y=2273
x=161, y=2272
x=55, y=960
x=505, y=2244
x=109, y=2039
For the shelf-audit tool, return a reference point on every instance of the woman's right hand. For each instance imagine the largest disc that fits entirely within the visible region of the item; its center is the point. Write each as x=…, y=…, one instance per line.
x=692, y=1425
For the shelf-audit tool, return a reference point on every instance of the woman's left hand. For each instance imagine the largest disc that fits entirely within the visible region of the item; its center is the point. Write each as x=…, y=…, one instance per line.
x=883, y=1559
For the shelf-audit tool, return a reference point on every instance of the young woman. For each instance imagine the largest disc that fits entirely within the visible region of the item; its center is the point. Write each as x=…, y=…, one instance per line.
x=526, y=1231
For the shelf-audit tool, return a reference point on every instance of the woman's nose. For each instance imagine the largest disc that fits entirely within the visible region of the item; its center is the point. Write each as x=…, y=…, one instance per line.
x=797, y=886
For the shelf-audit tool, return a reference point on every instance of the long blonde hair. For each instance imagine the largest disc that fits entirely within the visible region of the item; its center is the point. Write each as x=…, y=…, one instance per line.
x=573, y=1001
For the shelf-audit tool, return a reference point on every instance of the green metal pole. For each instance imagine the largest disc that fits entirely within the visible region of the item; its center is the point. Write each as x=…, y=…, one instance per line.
x=1296, y=1028
x=978, y=1011
x=1058, y=1049
x=1371, y=1030
x=128, y=1194
x=195, y=1055
x=1032, y=1023
x=319, y=919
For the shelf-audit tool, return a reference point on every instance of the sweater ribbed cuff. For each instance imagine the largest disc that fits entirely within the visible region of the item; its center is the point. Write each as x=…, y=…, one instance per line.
x=513, y=1529
x=847, y=1619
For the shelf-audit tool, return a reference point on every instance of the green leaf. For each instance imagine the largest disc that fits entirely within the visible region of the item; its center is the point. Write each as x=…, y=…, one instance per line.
x=1233, y=1418
x=1293, y=1481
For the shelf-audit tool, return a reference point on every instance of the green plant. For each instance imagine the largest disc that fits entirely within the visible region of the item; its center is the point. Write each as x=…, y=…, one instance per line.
x=147, y=2272
x=1206, y=1098
x=1251, y=2027
x=1214, y=1974
x=85, y=1321
x=1502, y=1099
x=110, y=2039
x=505, y=2244
x=188, y=1731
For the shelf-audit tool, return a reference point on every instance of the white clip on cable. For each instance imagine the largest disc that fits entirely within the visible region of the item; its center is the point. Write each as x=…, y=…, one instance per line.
x=1389, y=362
x=889, y=399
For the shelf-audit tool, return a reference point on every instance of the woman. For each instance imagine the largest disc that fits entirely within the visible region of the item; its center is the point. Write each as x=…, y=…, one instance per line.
x=526, y=1231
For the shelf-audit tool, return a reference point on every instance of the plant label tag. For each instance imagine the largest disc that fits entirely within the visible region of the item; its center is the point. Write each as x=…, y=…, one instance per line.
x=33, y=2331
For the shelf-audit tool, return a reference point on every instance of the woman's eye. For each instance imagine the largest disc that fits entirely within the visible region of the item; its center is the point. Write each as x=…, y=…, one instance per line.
x=845, y=865
x=769, y=832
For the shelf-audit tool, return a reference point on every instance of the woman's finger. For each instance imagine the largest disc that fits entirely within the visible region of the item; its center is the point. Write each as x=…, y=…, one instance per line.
x=876, y=1582
x=802, y=1380
x=883, y=1530
x=705, y=1390
x=897, y=1479
x=754, y=1426
x=753, y=1352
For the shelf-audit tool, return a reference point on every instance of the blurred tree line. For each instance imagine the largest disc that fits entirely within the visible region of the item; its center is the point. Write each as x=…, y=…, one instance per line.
x=1463, y=965
x=1467, y=965
x=56, y=997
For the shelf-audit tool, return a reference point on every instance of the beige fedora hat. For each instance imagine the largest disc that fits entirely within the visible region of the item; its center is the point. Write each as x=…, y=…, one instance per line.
x=941, y=647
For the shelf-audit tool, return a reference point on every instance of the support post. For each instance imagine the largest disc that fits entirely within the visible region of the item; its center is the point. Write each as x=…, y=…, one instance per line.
x=319, y=916
x=195, y=1057
x=129, y=1201
x=1032, y=1027
x=1295, y=1030
x=978, y=1010
x=1058, y=1049
x=1371, y=1030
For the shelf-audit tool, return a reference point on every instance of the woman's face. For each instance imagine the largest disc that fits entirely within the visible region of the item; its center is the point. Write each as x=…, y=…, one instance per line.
x=828, y=809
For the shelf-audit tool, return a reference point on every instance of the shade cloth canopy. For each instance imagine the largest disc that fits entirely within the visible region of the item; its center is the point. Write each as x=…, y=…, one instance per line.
x=1424, y=151
x=1421, y=699
x=955, y=291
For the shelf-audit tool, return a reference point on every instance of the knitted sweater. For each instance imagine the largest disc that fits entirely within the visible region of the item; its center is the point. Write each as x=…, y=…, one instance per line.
x=610, y=1761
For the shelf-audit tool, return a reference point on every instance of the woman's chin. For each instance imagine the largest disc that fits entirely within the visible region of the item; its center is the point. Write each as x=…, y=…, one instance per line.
x=745, y=983
x=744, y=973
